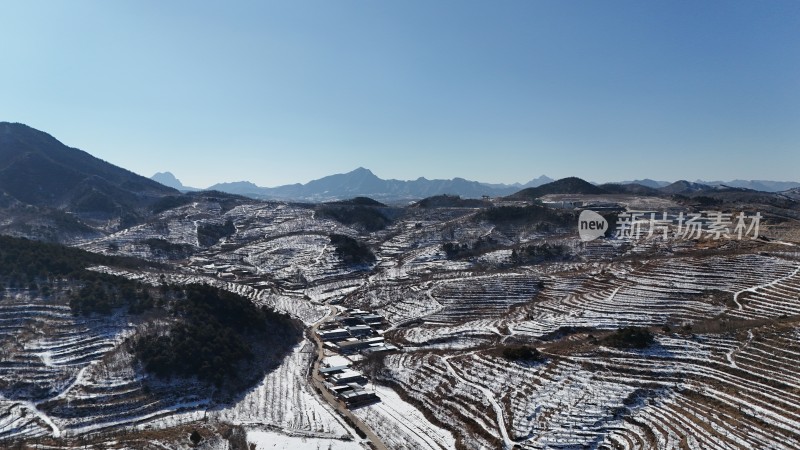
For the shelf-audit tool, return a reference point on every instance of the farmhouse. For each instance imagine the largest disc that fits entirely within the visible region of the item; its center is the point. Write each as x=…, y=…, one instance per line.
x=350, y=321
x=372, y=319
x=358, y=397
x=360, y=330
x=348, y=376
x=332, y=335
x=380, y=348
x=328, y=371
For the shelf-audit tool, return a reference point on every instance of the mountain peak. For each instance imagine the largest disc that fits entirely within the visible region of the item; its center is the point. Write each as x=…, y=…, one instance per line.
x=168, y=179
x=19, y=138
x=536, y=182
x=569, y=185
x=684, y=187
x=362, y=172
x=244, y=184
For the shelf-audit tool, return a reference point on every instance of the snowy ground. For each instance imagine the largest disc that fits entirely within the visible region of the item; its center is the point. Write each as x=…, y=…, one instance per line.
x=400, y=425
x=284, y=400
x=271, y=440
x=701, y=387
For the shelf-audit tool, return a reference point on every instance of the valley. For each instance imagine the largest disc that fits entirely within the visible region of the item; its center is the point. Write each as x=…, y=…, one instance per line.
x=721, y=372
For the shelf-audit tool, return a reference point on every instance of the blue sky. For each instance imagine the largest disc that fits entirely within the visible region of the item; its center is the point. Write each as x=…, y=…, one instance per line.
x=283, y=92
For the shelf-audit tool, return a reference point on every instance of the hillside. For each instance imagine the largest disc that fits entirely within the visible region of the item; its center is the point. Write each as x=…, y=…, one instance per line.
x=630, y=188
x=512, y=332
x=684, y=187
x=37, y=169
x=570, y=185
x=40, y=177
x=67, y=323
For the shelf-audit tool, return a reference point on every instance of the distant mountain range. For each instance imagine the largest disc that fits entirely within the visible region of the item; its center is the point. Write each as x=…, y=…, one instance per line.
x=756, y=185
x=54, y=192
x=362, y=182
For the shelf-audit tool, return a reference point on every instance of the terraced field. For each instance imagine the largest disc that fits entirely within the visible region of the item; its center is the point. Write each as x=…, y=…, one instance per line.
x=723, y=375
x=47, y=354
x=722, y=372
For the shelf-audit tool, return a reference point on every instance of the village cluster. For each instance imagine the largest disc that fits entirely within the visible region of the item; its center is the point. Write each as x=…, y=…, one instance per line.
x=347, y=338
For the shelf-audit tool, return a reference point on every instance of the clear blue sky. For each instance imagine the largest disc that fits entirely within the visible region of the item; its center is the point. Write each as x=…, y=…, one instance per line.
x=282, y=92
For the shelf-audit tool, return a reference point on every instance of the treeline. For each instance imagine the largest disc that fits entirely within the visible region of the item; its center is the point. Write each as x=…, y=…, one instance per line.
x=42, y=266
x=214, y=337
x=524, y=214
x=537, y=253
x=359, y=201
x=102, y=293
x=165, y=249
x=351, y=251
x=526, y=254
x=629, y=337
x=521, y=353
x=454, y=250
x=23, y=261
x=210, y=234
x=169, y=202
x=365, y=217
x=450, y=201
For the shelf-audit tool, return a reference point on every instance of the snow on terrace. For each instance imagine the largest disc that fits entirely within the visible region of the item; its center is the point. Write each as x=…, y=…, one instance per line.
x=271, y=440
x=545, y=404
x=651, y=294
x=256, y=222
x=721, y=387
x=296, y=306
x=431, y=228
x=47, y=369
x=309, y=255
x=284, y=400
x=696, y=402
x=398, y=302
x=333, y=289
x=481, y=296
x=296, y=409
x=400, y=425
x=463, y=409
x=533, y=406
x=696, y=388
x=418, y=250
x=102, y=398
x=679, y=391
x=17, y=421
x=464, y=307
x=129, y=241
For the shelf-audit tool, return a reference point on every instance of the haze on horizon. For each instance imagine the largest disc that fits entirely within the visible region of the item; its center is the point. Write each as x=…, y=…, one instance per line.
x=285, y=92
